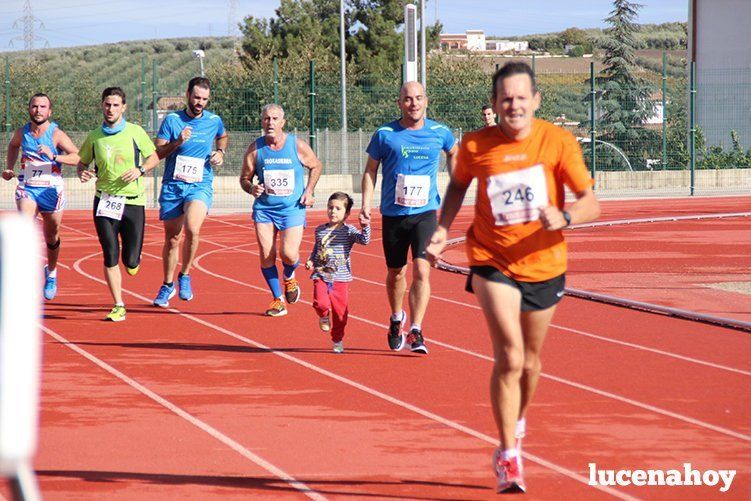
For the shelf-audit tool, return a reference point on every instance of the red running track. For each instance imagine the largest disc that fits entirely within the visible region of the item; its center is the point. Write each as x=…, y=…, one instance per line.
x=213, y=400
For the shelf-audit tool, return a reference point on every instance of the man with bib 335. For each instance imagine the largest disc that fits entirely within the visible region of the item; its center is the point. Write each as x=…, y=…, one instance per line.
x=186, y=138
x=515, y=246
x=40, y=182
x=122, y=153
x=281, y=196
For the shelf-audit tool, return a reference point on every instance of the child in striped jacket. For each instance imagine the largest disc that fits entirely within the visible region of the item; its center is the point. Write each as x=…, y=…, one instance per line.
x=332, y=270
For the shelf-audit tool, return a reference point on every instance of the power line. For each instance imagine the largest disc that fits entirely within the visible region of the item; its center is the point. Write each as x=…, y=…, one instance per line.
x=29, y=23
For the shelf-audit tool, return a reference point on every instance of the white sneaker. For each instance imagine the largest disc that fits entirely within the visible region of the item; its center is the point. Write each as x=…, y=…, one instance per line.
x=324, y=323
x=339, y=347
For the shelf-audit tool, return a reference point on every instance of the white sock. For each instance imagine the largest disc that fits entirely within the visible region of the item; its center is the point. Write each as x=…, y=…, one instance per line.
x=416, y=326
x=521, y=428
x=52, y=273
x=120, y=303
x=398, y=316
x=509, y=454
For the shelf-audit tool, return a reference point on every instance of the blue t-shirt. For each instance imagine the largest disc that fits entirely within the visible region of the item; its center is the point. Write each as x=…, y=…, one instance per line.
x=195, y=151
x=282, y=175
x=410, y=160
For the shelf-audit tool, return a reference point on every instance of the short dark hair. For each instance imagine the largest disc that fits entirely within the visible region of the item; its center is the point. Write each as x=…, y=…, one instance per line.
x=343, y=197
x=486, y=107
x=40, y=94
x=511, y=69
x=201, y=82
x=113, y=91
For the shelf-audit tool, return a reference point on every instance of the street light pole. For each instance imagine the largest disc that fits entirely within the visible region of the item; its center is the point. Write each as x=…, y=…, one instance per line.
x=343, y=62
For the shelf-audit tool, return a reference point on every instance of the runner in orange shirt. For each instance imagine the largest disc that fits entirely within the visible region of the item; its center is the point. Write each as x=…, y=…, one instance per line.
x=515, y=246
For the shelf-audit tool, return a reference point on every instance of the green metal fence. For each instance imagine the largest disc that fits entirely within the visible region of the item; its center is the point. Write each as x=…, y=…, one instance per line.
x=676, y=147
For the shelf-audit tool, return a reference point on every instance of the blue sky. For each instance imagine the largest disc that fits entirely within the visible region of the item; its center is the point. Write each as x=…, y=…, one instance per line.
x=88, y=22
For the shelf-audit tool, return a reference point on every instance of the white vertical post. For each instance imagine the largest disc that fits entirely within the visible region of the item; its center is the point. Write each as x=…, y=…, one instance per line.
x=423, y=61
x=343, y=56
x=410, y=43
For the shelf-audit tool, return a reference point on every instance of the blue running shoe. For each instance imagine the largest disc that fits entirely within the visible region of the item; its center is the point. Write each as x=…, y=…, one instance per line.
x=186, y=291
x=50, y=285
x=165, y=294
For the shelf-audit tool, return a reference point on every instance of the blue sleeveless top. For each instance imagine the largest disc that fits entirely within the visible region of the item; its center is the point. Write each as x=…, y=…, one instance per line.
x=30, y=153
x=282, y=175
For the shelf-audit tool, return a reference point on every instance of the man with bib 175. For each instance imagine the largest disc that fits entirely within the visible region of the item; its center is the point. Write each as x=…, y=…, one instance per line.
x=185, y=138
x=122, y=153
x=281, y=196
x=409, y=149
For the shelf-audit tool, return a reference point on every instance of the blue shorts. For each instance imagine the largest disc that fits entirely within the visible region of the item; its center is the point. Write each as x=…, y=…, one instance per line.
x=175, y=195
x=282, y=220
x=47, y=198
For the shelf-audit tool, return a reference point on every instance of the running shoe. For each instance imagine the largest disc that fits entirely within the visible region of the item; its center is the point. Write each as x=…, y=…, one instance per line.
x=291, y=290
x=509, y=472
x=277, y=308
x=416, y=342
x=324, y=323
x=339, y=347
x=117, y=314
x=396, y=336
x=50, y=285
x=186, y=291
x=165, y=293
x=132, y=271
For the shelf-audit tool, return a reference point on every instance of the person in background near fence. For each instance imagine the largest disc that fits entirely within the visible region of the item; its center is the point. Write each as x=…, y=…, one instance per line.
x=332, y=269
x=40, y=180
x=410, y=151
x=488, y=116
x=185, y=139
x=281, y=196
x=122, y=153
x=515, y=246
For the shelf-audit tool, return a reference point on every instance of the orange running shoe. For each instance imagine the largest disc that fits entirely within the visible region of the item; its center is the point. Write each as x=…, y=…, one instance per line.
x=291, y=290
x=277, y=308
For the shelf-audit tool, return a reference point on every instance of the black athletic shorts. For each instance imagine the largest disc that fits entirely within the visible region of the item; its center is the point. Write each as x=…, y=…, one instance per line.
x=535, y=295
x=130, y=229
x=402, y=232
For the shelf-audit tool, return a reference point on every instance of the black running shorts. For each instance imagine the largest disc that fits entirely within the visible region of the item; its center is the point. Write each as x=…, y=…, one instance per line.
x=130, y=229
x=402, y=232
x=535, y=295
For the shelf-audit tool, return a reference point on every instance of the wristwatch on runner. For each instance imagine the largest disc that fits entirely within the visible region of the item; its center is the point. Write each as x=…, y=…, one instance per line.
x=567, y=217
x=142, y=170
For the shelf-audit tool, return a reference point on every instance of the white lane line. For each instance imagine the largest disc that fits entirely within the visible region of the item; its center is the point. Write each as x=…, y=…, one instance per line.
x=206, y=428
x=574, y=384
x=556, y=326
x=435, y=417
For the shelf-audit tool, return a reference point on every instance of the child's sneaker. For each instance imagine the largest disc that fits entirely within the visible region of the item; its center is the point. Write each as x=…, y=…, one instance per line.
x=510, y=479
x=277, y=308
x=324, y=323
x=339, y=347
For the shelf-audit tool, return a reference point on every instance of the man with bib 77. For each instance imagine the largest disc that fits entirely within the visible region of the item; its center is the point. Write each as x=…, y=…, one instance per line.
x=515, y=246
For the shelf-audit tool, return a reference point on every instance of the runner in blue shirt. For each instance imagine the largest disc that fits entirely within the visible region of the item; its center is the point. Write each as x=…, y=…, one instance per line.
x=409, y=150
x=40, y=180
x=186, y=139
x=281, y=195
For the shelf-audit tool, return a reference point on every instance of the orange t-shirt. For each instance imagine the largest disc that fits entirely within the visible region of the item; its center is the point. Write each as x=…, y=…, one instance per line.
x=514, y=180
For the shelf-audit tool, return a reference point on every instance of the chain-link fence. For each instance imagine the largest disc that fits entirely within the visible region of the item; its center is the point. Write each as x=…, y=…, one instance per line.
x=637, y=141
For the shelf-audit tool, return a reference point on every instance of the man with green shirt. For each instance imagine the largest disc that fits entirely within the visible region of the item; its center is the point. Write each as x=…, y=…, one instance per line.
x=122, y=153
